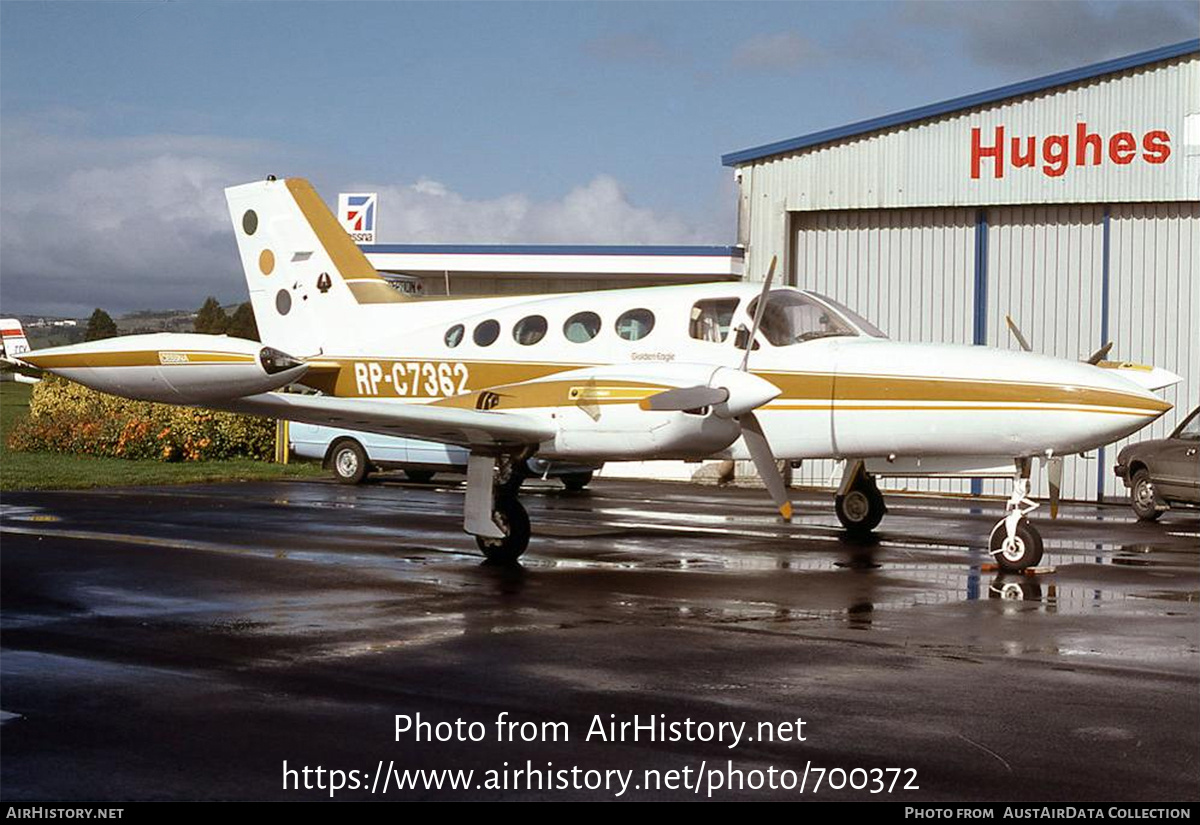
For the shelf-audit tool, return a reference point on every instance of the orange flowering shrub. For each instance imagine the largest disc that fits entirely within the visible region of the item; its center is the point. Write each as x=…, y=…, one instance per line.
x=65, y=417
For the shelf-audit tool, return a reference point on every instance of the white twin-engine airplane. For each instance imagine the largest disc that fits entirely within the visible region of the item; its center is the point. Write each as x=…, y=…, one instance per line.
x=723, y=370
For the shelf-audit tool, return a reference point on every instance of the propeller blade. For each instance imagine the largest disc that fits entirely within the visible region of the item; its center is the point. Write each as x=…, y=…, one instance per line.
x=1012, y=327
x=764, y=463
x=1100, y=354
x=1054, y=470
x=685, y=398
x=758, y=310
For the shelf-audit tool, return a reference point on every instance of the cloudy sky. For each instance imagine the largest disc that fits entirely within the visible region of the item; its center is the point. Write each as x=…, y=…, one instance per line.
x=563, y=122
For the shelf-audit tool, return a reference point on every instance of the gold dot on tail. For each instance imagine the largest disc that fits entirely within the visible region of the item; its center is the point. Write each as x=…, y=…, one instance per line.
x=266, y=262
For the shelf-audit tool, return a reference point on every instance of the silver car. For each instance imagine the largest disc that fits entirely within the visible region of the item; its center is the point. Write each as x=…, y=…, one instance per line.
x=352, y=455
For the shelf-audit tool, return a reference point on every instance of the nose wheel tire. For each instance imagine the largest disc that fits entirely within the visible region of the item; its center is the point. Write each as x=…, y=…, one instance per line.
x=510, y=516
x=1024, y=550
x=861, y=508
x=1143, y=498
x=349, y=462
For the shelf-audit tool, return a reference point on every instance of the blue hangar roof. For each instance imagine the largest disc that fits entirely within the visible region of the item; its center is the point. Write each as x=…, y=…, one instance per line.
x=1038, y=84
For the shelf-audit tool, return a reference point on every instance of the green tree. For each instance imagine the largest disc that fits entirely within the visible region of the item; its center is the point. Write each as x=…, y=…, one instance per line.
x=100, y=325
x=242, y=324
x=211, y=318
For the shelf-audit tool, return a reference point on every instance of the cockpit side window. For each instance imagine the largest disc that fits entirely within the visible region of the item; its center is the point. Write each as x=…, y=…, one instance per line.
x=710, y=319
x=793, y=318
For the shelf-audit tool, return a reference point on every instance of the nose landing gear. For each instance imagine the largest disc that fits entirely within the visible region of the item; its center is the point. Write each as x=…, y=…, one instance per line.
x=1015, y=543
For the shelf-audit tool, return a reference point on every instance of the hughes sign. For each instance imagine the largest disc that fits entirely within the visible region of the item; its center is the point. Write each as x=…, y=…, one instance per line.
x=995, y=153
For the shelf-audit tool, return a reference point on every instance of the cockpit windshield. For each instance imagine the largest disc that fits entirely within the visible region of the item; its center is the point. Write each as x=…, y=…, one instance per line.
x=862, y=323
x=792, y=318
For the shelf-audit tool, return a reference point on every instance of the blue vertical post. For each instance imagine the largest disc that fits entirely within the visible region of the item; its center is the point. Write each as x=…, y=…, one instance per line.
x=979, y=331
x=1101, y=469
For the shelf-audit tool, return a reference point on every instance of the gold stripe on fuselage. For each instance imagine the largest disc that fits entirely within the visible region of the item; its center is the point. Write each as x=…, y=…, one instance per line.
x=136, y=358
x=336, y=376
x=554, y=394
x=827, y=406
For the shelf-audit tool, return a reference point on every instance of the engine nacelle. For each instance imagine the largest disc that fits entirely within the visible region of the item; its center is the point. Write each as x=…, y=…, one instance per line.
x=607, y=421
x=173, y=368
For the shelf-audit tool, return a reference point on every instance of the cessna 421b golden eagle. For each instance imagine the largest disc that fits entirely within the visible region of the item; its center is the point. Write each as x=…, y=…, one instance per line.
x=732, y=371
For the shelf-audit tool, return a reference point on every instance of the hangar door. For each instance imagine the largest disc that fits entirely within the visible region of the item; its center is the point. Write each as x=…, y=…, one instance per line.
x=910, y=271
x=1045, y=268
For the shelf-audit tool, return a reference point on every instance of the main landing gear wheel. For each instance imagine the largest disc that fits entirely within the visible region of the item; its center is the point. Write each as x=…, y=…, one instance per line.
x=510, y=474
x=576, y=481
x=510, y=516
x=349, y=462
x=861, y=508
x=1024, y=550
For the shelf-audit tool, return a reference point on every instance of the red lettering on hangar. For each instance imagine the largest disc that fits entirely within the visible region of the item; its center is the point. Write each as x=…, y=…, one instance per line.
x=1056, y=153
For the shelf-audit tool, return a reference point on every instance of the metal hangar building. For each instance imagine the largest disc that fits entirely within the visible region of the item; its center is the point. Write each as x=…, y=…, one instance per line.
x=1070, y=202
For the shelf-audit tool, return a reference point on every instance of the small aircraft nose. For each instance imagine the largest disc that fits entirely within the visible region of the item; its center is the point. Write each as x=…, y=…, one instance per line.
x=1108, y=406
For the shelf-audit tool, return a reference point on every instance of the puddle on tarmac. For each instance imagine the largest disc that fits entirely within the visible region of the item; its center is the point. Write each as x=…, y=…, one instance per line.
x=11, y=512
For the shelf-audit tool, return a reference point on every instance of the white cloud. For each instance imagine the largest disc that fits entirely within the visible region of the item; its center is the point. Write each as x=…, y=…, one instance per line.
x=141, y=223
x=122, y=223
x=597, y=212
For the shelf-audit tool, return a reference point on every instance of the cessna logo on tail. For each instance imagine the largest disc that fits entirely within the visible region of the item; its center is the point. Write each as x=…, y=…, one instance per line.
x=356, y=213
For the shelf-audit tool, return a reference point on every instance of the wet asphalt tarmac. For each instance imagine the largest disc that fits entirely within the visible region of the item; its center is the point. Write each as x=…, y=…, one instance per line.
x=181, y=643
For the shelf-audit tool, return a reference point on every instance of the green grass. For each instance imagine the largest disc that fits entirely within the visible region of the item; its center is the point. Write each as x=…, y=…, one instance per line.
x=58, y=471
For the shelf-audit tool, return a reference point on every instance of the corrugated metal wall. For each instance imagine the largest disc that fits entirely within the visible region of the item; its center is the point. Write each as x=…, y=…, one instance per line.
x=907, y=270
x=1154, y=303
x=912, y=272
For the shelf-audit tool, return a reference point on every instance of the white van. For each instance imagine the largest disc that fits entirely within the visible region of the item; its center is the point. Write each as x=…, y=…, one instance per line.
x=352, y=455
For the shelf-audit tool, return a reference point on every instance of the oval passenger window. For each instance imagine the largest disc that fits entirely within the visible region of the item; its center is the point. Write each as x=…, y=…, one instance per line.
x=454, y=335
x=582, y=327
x=635, y=324
x=530, y=330
x=486, y=333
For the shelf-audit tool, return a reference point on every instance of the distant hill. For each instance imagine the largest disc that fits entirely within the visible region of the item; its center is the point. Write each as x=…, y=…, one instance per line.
x=169, y=320
x=45, y=331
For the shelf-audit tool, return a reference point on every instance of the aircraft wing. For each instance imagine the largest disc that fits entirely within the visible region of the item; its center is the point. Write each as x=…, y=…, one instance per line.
x=468, y=428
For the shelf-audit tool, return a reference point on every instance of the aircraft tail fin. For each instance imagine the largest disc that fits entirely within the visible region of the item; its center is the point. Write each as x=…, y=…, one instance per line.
x=12, y=339
x=14, y=344
x=306, y=277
